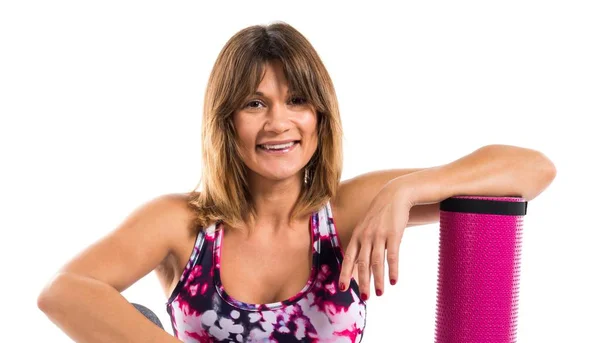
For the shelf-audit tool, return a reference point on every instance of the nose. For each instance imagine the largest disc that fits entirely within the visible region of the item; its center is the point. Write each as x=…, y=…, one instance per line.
x=278, y=119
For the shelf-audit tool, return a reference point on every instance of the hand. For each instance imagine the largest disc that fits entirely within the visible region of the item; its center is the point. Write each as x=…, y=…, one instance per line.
x=382, y=228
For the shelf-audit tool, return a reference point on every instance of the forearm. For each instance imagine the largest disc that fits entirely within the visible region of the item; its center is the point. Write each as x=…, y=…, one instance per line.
x=90, y=311
x=496, y=170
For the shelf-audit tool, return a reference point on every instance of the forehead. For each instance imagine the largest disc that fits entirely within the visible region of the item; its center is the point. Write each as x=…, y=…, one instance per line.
x=273, y=78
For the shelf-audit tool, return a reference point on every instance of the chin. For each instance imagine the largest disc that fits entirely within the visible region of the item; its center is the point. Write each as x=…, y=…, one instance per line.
x=283, y=175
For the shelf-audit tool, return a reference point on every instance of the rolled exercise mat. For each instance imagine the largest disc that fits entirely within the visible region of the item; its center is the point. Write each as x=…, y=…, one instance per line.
x=478, y=269
x=148, y=314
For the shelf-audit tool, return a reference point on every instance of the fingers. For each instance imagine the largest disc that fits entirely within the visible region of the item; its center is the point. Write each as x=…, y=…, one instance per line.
x=370, y=246
x=364, y=268
x=377, y=265
x=392, y=259
x=348, y=264
x=394, y=240
x=366, y=251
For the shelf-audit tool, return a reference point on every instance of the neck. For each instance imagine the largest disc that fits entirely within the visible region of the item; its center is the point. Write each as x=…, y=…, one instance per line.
x=273, y=202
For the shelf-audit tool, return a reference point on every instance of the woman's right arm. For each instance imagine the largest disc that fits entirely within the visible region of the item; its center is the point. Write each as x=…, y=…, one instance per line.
x=84, y=297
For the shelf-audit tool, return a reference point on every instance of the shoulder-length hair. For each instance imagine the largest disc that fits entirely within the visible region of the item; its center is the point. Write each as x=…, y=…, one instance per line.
x=238, y=70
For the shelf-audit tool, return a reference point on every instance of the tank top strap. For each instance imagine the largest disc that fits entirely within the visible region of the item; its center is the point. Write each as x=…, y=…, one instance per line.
x=199, y=244
x=327, y=230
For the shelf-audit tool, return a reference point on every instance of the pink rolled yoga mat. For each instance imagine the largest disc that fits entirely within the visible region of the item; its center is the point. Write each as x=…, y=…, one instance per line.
x=478, y=269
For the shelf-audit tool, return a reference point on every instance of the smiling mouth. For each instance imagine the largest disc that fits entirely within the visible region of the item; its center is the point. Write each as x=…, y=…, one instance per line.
x=278, y=147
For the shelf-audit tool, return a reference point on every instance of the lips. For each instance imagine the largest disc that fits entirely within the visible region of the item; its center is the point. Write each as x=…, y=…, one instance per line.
x=278, y=148
x=274, y=145
x=278, y=142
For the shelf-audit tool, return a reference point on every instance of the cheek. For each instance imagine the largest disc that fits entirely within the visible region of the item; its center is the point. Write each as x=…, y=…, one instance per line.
x=309, y=124
x=313, y=129
x=244, y=133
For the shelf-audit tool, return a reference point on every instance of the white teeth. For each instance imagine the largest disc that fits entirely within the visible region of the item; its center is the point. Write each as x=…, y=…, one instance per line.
x=278, y=146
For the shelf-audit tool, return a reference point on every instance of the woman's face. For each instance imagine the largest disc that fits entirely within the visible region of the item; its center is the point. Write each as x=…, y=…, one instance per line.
x=277, y=131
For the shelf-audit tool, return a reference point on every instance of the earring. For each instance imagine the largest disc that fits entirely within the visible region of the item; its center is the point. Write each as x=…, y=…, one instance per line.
x=305, y=176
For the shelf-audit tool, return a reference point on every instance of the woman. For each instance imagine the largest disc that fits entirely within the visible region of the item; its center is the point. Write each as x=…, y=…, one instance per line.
x=235, y=259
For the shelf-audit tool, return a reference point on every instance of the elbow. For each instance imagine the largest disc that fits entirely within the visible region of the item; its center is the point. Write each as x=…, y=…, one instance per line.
x=544, y=173
x=43, y=302
x=533, y=171
x=547, y=171
x=550, y=172
x=51, y=292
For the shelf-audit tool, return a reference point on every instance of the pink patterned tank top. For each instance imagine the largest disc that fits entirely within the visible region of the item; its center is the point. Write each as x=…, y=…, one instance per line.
x=202, y=311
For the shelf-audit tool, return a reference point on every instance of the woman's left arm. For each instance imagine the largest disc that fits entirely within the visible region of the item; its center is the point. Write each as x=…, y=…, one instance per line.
x=493, y=170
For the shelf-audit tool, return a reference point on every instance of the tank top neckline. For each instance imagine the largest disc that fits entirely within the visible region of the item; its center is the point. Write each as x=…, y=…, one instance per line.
x=314, y=234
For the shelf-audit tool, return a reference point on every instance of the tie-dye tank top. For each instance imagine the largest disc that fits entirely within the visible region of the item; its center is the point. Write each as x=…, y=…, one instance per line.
x=202, y=311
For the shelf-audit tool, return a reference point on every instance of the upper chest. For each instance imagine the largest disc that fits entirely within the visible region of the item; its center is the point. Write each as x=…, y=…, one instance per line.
x=262, y=269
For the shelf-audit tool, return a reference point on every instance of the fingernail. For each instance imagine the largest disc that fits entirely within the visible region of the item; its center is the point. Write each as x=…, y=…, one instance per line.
x=363, y=296
x=393, y=282
x=342, y=287
x=378, y=292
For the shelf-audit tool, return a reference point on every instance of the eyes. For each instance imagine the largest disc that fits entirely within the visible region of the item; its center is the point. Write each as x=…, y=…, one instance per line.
x=295, y=101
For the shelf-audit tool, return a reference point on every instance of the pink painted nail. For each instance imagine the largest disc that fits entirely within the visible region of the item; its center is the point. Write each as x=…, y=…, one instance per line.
x=363, y=296
x=342, y=287
x=378, y=292
x=393, y=282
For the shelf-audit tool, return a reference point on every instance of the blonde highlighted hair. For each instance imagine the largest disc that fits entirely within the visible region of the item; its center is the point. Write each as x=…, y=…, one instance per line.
x=224, y=192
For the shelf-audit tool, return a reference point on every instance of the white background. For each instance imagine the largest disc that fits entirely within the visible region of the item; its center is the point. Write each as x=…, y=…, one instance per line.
x=101, y=104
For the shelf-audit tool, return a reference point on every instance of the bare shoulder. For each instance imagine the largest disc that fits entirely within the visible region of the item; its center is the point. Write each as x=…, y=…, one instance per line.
x=174, y=212
x=176, y=207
